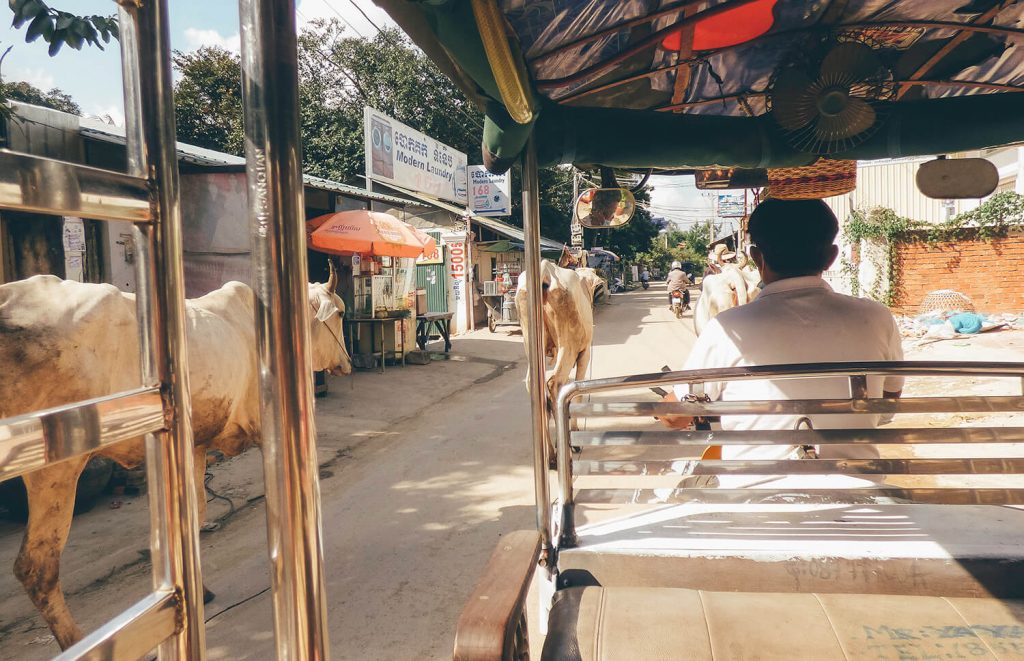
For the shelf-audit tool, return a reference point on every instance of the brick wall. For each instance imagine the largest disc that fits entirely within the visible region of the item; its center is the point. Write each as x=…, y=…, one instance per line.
x=991, y=273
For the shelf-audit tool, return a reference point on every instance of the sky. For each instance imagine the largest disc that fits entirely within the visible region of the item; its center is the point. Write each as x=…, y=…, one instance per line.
x=93, y=77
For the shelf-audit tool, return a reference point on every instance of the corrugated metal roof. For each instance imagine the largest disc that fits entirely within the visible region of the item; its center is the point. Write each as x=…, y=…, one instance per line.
x=99, y=130
x=493, y=224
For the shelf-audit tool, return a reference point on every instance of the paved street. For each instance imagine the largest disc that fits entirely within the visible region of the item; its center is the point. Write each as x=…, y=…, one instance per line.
x=423, y=469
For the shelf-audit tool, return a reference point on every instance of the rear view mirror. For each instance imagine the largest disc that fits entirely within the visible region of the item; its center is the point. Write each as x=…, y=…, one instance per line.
x=957, y=178
x=601, y=208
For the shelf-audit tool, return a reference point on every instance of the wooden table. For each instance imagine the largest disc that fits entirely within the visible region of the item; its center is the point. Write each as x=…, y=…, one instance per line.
x=442, y=321
x=353, y=324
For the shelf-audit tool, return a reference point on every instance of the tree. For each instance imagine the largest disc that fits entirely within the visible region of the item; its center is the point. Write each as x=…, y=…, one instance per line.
x=55, y=98
x=339, y=75
x=208, y=99
x=58, y=27
x=689, y=245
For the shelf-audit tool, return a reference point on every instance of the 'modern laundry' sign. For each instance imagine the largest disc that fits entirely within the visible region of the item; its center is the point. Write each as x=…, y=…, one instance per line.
x=397, y=154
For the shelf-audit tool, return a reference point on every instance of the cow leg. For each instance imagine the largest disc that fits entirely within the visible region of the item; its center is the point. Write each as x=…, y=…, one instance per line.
x=582, y=365
x=199, y=465
x=51, y=498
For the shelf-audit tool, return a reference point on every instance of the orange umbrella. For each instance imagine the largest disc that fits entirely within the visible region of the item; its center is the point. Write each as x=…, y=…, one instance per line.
x=367, y=233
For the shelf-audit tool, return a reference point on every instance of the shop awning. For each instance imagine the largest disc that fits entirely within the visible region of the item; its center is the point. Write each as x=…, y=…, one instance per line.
x=367, y=233
x=496, y=226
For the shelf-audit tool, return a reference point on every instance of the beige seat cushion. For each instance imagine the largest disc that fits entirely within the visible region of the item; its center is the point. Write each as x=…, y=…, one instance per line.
x=643, y=624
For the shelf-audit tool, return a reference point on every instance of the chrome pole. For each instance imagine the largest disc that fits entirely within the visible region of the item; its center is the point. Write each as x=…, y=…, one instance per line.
x=150, y=129
x=276, y=211
x=535, y=345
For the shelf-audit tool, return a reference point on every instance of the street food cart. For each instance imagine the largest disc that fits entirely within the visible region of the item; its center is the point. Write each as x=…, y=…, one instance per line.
x=657, y=550
x=383, y=249
x=498, y=293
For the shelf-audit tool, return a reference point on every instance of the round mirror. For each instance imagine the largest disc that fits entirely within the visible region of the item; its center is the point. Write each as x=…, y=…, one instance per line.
x=602, y=208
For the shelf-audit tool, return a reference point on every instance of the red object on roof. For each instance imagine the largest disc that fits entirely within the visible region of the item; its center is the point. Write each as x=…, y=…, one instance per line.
x=728, y=28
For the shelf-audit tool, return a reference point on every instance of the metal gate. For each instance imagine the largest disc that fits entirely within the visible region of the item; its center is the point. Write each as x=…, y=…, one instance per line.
x=433, y=278
x=171, y=616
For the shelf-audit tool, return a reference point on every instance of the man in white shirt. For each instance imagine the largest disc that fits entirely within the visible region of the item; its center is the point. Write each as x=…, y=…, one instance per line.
x=797, y=318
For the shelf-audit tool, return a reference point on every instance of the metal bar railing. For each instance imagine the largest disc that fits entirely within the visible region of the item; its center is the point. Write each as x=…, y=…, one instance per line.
x=907, y=435
x=277, y=213
x=151, y=148
x=535, y=344
x=809, y=407
x=132, y=633
x=858, y=402
x=43, y=185
x=877, y=495
x=923, y=466
x=30, y=442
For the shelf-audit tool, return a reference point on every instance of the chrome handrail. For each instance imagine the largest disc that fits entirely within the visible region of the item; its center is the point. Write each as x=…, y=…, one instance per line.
x=859, y=402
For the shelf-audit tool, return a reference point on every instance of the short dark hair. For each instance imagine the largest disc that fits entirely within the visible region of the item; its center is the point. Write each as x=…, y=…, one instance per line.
x=795, y=236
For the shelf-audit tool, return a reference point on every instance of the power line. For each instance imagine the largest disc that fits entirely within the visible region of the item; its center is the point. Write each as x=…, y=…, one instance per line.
x=345, y=20
x=368, y=19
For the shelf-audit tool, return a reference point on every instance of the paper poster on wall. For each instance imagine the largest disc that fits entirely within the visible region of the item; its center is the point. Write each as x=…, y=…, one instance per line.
x=74, y=234
x=489, y=193
x=400, y=155
x=74, y=267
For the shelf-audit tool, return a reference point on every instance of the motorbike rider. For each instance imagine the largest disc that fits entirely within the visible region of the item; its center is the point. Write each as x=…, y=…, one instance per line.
x=645, y=277
x=678, y=282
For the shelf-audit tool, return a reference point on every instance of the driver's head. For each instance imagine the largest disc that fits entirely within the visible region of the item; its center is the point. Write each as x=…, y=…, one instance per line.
x=794, y=237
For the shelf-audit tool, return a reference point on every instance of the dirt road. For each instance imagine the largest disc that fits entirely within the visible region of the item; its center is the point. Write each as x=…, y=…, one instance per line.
x=423, y=469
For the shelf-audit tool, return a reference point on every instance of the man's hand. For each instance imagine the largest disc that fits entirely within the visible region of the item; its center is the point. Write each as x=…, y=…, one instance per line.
x=674, y=421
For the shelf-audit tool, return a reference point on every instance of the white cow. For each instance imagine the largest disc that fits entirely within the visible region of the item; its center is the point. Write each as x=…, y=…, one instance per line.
x=735, y=285
x=568, y=321
x=64, y=341
x=597, y=287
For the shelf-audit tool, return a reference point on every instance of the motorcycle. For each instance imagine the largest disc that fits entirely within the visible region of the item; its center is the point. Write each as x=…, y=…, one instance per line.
x=680, y=302
x=677, y=304
x=645, y=284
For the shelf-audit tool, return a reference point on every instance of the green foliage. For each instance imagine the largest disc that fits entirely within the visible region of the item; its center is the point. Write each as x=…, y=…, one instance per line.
x=55, y=98
x=58, y=27
x=690, y=245
x=208, y=99
x=993, y=219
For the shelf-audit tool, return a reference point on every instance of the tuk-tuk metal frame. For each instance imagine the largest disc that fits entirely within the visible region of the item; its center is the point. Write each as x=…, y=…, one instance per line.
x=171, y=617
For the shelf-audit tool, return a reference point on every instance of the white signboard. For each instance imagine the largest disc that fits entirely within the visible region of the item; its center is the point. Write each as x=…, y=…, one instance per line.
x=731, y=205
x=458, y=260
x=489, y=193
x=397, y=154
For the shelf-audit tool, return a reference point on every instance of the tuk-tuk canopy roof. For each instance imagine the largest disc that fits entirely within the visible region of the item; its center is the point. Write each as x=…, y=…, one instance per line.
x=689, y=84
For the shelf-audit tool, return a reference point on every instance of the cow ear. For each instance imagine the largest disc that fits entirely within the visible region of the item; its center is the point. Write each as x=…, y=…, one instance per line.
x=326, y=309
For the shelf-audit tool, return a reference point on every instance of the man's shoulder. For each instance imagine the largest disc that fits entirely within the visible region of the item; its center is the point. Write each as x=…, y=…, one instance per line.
x=861, y=305
x=769, y=306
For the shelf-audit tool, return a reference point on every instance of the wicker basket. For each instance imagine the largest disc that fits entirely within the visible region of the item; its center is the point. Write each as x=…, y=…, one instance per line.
x=946, y=300
x=823, y=178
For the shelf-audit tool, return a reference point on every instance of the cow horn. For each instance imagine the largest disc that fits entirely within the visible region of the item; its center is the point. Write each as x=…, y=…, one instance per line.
x=332, y=281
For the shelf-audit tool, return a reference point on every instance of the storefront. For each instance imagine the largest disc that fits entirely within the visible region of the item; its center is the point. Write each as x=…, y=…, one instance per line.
x=470, y=269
